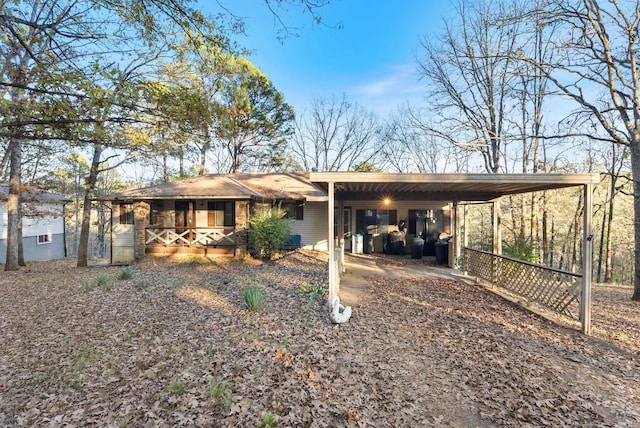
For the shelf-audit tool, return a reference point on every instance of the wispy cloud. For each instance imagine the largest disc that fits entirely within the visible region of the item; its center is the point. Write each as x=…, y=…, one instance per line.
x=378, y=87
x=393, y=86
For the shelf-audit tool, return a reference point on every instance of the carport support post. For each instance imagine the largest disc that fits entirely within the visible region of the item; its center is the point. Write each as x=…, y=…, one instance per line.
x=340, y=225
x=455, y=216
x=331, y=243
x=497, y=228
x=587, y=259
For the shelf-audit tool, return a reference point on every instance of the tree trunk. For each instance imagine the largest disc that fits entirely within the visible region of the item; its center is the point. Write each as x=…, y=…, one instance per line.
x=181, y=164
x=4, y=162
x=576, y=234
x=235, y=165
x=608, y=270
x=635, y=171
x=13, y=205
x=165, y=167
x=101, y=230
x=203, y=150
x=545, y=256
x=89, y=187
x=602, y=243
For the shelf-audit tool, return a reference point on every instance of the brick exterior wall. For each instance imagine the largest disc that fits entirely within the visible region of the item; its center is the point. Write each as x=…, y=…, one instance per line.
x=141, y=222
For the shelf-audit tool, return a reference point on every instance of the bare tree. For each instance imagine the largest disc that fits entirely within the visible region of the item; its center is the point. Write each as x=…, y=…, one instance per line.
x=335, y=135
x=411, y=146
x=615, y=161
x=597, y=61
x=470, y=84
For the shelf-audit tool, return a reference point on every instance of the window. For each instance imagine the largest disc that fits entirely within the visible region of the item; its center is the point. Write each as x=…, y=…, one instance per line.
x=155, y=213
x=126, y=213
x=293, y=210
x=429, y=223
x=222, y=213
x=44, y=239
x=375, y=221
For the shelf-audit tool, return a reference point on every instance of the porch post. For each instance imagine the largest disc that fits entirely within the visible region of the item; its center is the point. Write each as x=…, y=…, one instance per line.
x=465, y=242
x=455, y=229
x=587, y=259
x=192, y=221
x=497, y=229
x=333, y=286
x=340, y=225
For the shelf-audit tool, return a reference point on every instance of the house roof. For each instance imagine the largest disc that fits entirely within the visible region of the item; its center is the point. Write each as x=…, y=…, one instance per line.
x=443, y=187
x=230, y=186
x=30, y=193
x=355, y=185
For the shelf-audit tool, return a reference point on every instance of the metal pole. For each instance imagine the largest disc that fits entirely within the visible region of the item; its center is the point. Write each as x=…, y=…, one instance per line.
x=341, y=243
x=497, y=229
x=333, y=286
x=587, y=259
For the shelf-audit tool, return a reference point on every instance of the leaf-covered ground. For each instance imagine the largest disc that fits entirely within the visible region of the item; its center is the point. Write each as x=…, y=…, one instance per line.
x=174, y=346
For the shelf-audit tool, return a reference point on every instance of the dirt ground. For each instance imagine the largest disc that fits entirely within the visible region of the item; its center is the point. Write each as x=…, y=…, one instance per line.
x=174, y=345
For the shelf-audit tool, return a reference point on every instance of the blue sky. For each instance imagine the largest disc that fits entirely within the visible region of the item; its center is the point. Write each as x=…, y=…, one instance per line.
x=371, y=59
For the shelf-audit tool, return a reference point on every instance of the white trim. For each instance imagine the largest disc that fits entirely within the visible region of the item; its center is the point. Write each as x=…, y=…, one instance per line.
x=47, y=239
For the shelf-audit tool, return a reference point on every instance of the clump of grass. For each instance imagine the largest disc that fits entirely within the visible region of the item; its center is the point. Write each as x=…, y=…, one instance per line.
x=176, y=387
x=88, y=286
x=269, y=420
x=125, y=274
x=220, y=392
x=82, y=357
x=103, y=281
x=251, y=320
x=193, y=259
x=315, y=290
x=140, y=285
x=253, y=298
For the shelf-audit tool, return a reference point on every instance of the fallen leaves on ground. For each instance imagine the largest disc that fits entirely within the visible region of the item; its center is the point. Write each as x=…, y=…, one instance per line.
x=174, y=346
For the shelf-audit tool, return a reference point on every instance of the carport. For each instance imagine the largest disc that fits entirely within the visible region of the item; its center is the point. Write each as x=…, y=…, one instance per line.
x=454, y=190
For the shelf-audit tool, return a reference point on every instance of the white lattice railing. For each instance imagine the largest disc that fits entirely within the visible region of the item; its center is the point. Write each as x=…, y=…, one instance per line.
x=555, y=289
x=206, y=236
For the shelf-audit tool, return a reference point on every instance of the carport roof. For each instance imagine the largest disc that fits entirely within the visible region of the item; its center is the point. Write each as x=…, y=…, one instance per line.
x=443, y=187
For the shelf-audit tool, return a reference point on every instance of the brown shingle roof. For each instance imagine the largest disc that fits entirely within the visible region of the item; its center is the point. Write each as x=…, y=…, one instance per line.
x=230, y=186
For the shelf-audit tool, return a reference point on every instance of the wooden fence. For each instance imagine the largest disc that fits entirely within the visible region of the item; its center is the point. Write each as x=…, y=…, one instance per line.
x=554, y=289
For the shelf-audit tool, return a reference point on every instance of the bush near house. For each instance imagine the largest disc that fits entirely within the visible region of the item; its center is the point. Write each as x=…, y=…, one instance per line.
x=268, y=232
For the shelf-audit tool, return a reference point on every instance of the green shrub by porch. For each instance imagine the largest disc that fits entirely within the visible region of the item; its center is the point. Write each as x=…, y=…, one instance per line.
x=268, y=232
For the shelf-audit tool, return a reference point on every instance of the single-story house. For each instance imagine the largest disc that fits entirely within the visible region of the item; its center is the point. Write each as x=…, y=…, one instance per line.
x=43, y=227
x=209, y=215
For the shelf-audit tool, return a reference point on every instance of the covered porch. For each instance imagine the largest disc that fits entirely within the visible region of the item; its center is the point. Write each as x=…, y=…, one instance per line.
x=454, y=190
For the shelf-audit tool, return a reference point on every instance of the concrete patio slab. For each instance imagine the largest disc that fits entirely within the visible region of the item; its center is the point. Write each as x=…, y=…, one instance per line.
x=354, y=289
